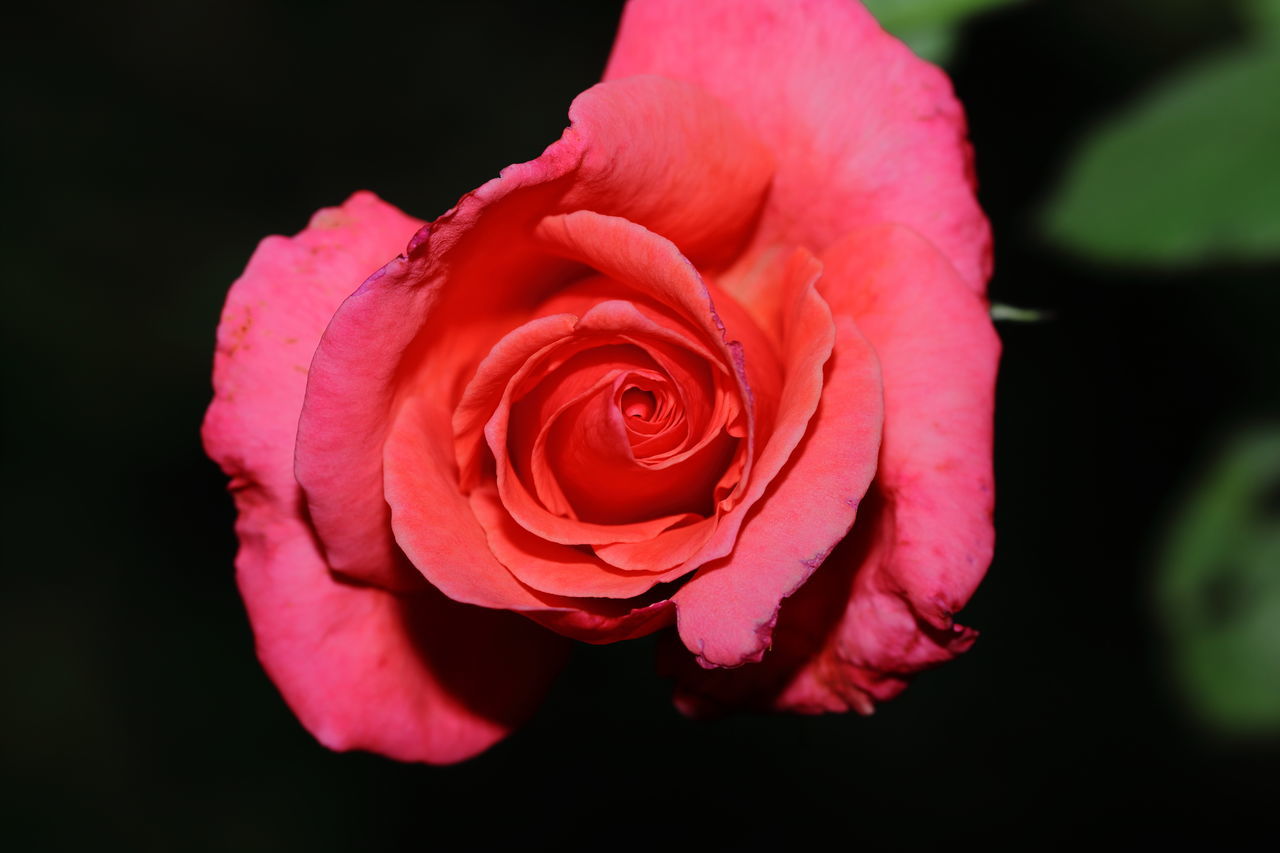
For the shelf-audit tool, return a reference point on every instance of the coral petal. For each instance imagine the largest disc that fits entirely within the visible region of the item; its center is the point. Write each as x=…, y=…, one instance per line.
x=415, y=677
x=726, y=612
x=939, y=352
x=880, y=608
x=696, y=175
x=864, y=131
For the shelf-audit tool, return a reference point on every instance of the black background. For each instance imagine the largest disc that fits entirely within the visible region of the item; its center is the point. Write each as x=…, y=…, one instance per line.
x=157, y=143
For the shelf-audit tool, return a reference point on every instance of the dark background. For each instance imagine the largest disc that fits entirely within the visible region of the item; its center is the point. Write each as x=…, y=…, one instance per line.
x=157, y=142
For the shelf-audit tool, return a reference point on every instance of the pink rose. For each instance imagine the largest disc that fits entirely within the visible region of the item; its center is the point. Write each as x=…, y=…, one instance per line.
x=719, y=359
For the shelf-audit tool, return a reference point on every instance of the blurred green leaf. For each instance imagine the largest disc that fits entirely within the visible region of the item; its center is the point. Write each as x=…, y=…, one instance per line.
x=1002, y=312
x=1219, y=589
x=1191, y=173
x=929, y=26
x=921, y=14
x=1264, y=15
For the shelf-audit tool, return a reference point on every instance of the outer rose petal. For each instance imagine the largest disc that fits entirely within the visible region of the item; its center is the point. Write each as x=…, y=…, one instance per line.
x=864, y=132
x=550, y=566
x=880, y=608
x=272, y=321
x=417, y=678
x=694, y=175
x=726, y=612
x=939, y=353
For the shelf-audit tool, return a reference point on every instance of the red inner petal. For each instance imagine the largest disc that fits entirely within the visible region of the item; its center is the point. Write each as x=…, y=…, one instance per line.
x=570, y=443
x=638, y=404
x=569, y=466
x=606, y=484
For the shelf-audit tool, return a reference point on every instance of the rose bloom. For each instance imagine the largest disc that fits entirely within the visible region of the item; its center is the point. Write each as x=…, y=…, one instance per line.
x=718, y=363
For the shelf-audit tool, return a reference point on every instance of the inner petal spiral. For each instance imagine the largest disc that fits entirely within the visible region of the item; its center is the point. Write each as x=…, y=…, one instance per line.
x=638, y=403
x=602, y=438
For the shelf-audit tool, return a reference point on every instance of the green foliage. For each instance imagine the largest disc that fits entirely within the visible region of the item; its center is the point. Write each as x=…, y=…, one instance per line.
x=1219, y=589
x=929, y=26
x=1264, y=15
x=1000, y=312
x=1188, y=174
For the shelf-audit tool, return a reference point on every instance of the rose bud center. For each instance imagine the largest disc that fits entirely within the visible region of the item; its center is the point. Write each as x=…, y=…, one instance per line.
x=637, y=403
x=608, y=434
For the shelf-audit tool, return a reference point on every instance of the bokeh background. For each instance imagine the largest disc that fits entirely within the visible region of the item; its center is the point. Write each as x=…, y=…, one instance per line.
x=1127, y=681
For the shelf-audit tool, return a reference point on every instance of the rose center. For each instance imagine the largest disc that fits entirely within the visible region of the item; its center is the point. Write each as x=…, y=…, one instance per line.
x=638, y=403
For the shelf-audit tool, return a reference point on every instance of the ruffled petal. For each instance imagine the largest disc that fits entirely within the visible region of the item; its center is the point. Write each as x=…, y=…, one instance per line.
x=939, y=352
x=604, y=621
x=563, y=370
x=274, y=317
x=864, y=131
x=551, y=567
x=801, y=359
x=727, y=611
x=880, y=608
x=436, y=534
x=415, y=677
x=485, y=391
x=424, y=321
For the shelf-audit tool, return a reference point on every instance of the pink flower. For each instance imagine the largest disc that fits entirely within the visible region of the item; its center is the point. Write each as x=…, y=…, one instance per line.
x=719, y=359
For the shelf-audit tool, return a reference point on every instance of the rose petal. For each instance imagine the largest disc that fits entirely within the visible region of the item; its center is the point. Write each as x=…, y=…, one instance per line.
x=762, y=368
x=864, y=131
x=275, y=314
x=351, y=661
x=412, y=489
x=538, y=419
x=806, y=621
x=939, y=352
x=880, y=640
x=809, y=669
x=604, y=621
x=475, y=272
x=654, y=266
x=727, y=611
x=880, y=608
x=591, y=449
x=484, y=393
x=519, y=501
x=587, y=297
x=559, y=432
x=636, y=257
x=551, y=567
x=416, y=678
x=420, y=481
x=806, y=344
